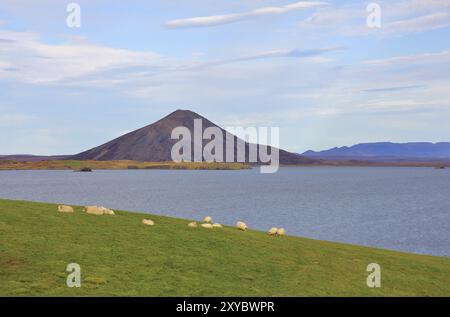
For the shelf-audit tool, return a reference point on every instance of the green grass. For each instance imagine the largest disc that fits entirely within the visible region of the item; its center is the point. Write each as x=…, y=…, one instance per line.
x=120, y=256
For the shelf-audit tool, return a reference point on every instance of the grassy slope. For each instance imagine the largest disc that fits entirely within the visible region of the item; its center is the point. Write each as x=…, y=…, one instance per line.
x=120, y=256
x=76, y=165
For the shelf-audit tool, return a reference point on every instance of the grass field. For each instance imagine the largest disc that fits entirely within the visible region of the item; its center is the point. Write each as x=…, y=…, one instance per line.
x=120, y=256
x=77, y=165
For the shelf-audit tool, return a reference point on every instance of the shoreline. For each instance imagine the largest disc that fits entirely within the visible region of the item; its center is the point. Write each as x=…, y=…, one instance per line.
x=78, y=165
x=144, y=214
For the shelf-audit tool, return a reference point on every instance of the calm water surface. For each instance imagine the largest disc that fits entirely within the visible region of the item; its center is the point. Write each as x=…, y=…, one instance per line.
x=404, y=208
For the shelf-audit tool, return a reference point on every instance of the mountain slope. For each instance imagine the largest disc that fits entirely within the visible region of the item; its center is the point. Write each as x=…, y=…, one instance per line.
x=387, y=151
x=153, y=142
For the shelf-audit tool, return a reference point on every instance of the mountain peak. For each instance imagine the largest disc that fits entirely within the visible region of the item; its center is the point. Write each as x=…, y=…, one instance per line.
x=183, y=113
x=180, y=117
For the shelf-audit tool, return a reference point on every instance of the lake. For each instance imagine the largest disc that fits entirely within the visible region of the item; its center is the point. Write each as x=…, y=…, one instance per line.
x=399, y=208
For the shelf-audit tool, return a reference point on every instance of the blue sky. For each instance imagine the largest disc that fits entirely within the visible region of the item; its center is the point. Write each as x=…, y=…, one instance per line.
x=313, y=68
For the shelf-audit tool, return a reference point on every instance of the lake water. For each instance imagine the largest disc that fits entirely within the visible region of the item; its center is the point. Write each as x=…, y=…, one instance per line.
x=403, y=208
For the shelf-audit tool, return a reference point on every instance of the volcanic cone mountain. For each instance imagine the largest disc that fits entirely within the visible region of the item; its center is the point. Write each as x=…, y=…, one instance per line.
x=153, y=143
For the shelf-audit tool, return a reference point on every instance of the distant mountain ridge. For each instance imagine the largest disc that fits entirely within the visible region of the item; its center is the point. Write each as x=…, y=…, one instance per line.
x=387, y=151
x=31, y=158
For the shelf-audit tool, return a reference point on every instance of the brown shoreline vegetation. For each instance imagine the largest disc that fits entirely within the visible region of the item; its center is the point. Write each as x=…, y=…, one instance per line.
x=120, y=165
x=80, y=165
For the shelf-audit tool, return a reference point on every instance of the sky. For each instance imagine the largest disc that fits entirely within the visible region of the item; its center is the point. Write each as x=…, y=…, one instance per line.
x=315, y=69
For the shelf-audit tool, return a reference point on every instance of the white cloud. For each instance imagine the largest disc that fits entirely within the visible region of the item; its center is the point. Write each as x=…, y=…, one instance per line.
x=419, y=24
x=24, y=57
x=234, y=17
x=334, y=16
x=399, y=105
x=311, y=55
x=414, y=7
x=397, y=18
x=423, y=58
x=385, y=89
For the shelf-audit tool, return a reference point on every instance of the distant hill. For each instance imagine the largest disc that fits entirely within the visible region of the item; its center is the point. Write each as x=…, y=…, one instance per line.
x=153, y=142
x=31, y=158
x=387, y=152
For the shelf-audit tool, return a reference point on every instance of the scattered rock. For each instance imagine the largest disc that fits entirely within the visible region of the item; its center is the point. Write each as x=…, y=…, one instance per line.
x=85, y=169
